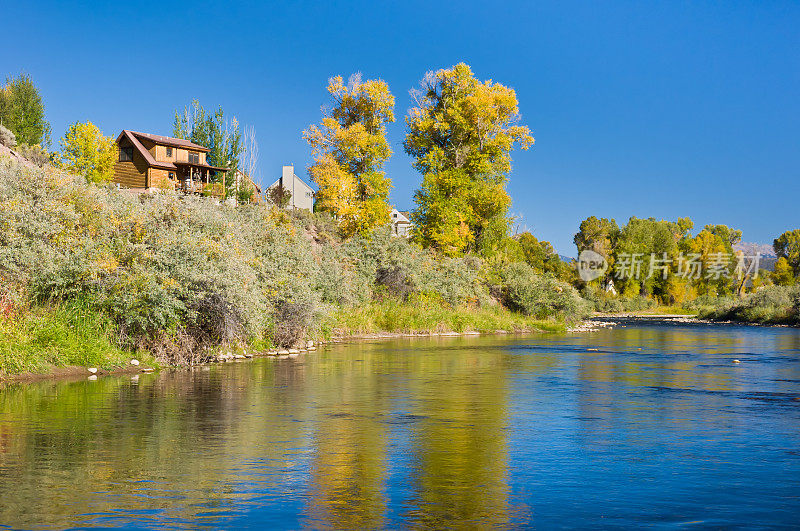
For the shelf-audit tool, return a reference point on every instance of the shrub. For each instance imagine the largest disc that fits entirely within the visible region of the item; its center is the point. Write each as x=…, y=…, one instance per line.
x=541, y=296
x=35, y=154
x=605, y=302
x=707, y=302
x=770, y=304
x=7, y=138
x=293, y=319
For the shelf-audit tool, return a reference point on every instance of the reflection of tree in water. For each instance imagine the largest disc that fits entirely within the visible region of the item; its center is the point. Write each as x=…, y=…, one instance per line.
x=456, y=423
x=460, y=471
x=348, y=473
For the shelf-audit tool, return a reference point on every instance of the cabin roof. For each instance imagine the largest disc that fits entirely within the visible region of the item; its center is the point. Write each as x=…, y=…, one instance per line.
x=169, y=141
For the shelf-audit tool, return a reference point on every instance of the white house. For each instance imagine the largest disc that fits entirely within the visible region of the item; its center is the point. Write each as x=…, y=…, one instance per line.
x=401, y=224
x=302, y=194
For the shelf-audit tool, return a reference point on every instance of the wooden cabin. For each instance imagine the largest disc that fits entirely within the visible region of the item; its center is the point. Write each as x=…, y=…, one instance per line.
x=149, y=161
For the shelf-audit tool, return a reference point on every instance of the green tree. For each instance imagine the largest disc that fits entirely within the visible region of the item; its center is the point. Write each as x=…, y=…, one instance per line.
x=787, y=246
x=542, y=257
x=650, y=239
x=22, y=111
x=214, y=131
x=729, y=236
x=712, y=248
x=349, y=147
x=85, y=151
x=783, y=274
x=599, y=235
x=461, y=133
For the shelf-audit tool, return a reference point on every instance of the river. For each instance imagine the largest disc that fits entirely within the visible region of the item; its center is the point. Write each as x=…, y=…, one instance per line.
x=643, y=424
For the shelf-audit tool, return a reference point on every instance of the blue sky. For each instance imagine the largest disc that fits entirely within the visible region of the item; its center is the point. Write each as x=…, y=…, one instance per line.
x=663, y=109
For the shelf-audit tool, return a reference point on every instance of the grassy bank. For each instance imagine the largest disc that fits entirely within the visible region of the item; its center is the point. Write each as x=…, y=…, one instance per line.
x=426, y=317
x=61, y=336
x=49, y=338
x=769, y=305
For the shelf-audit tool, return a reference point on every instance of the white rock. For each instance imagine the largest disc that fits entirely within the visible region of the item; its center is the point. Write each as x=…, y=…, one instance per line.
x=93, y=370
x=312, y=348
x=246, y=355
x=293, y=351
x=309, y=344
x=283, y=352
x=239, y=356
x=134, y=362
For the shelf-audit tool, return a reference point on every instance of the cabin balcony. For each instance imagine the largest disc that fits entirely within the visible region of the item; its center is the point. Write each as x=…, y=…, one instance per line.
x=194, y=178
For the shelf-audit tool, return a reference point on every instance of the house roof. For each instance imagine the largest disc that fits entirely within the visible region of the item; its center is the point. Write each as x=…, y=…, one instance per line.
x=133, y=138
x=170, y=141
x=298, y=179
x=143, y=151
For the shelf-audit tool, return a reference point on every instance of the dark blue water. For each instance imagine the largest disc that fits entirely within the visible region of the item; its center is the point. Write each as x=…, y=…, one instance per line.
x=643, y=425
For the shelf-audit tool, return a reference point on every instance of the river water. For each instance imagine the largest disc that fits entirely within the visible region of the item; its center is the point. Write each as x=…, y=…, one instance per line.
x=638, y=425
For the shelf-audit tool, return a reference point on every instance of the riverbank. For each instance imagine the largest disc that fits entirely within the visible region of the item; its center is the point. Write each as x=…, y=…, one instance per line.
x=771, y=305
x=64, y=341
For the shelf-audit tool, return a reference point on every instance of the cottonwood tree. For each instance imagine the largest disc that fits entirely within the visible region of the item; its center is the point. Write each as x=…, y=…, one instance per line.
x=787, y=246
x=22, y=111
x=86, y=151
x=349, y=148
x=460, y=133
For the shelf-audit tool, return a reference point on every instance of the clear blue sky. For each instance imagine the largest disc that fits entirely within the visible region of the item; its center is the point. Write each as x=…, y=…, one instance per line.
x=661, y=109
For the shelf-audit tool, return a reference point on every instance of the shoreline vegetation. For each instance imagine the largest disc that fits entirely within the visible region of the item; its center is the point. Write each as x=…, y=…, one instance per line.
x=93, y=276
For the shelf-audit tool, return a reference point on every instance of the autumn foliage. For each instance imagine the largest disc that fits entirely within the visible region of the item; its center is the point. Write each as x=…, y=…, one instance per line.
x=349, y=147
x=461, y=133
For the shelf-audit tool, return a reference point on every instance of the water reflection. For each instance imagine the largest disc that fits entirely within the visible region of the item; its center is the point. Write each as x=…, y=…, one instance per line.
x=497, y=432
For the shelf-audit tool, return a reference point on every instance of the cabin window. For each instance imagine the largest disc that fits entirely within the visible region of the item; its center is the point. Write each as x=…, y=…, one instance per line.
x=194, y=158
x=169, y=151
x=171, y=174
x=125, y=154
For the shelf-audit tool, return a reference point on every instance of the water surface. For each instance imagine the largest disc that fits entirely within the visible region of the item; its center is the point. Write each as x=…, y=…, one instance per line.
x=640, y=425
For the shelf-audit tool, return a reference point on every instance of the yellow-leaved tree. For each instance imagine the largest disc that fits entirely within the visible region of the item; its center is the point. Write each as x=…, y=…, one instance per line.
x=86, y=151
x=461, y=133
x=349, y=147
